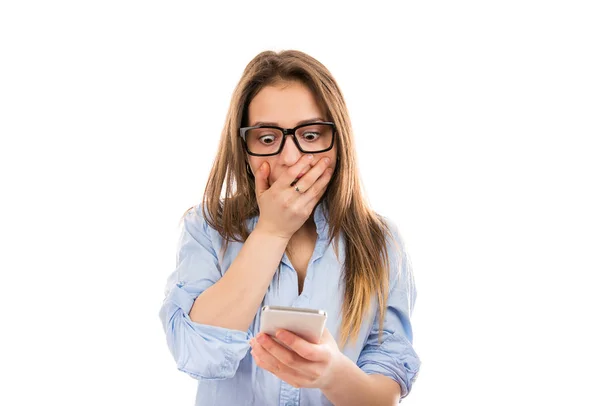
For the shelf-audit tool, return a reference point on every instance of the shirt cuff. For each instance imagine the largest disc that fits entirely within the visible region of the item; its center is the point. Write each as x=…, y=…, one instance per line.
x=200, y=350
x=396, y=359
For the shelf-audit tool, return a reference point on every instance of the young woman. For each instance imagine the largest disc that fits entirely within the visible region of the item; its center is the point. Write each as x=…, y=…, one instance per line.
x=292, y=229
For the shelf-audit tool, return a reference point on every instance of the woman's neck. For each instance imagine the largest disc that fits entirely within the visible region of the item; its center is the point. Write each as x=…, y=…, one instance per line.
x=306, y=232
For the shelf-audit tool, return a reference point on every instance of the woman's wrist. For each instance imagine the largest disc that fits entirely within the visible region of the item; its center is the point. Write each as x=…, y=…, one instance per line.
x=263, y=230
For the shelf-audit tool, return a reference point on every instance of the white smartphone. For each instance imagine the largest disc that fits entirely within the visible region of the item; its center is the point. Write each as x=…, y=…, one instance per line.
x=306, y=323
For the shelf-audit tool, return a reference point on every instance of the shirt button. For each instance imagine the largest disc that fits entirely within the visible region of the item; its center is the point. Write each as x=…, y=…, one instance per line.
x=289, y=404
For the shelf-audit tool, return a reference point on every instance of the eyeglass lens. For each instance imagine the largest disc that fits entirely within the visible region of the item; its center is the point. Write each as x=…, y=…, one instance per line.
x=312, y=138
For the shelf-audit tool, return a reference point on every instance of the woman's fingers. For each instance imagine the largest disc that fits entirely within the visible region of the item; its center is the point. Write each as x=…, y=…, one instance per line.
x=317, y=190
x=282, y=354
x=301, y=167
x=303, y=364
x=312, y=175
x=282, y=209
x=268, y=359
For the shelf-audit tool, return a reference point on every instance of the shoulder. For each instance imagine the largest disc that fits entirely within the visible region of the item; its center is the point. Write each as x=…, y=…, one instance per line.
x=394, y=238
x=194, y=224
x=193, y=219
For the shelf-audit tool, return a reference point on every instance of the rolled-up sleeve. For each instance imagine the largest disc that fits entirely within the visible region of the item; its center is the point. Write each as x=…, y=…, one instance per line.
x=394, y=357
x=202, y=351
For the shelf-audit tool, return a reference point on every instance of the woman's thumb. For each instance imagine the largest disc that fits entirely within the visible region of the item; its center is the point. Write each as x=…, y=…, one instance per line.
x=261, y=178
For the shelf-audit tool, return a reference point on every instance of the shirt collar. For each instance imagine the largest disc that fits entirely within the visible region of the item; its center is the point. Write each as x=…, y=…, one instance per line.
x=321, y=217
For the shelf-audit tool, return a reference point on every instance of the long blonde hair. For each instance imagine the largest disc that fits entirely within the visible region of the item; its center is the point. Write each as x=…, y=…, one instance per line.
x=366, y=265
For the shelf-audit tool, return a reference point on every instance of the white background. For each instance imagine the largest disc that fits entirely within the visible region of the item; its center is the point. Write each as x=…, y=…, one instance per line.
x=476, y=125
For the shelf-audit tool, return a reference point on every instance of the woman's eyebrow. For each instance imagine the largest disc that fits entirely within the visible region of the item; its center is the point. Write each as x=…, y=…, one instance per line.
x=310, y=120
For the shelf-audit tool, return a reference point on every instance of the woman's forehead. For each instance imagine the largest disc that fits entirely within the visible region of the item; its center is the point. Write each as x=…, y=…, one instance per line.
x=284, y=105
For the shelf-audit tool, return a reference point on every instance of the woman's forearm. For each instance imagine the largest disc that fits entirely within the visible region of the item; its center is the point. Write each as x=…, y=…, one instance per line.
x=232, y=301
x=352, y=386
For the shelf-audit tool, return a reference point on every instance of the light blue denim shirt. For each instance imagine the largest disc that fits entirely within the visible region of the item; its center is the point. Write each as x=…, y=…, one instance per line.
x=220, y=359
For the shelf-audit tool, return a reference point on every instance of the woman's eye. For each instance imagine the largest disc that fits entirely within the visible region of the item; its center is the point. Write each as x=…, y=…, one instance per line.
x=310, y=135
x=267, y=139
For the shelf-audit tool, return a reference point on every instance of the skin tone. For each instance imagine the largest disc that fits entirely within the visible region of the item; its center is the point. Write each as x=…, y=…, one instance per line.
x=288, y=215
x=233, y=300
x=321, y=366
x=287, y=105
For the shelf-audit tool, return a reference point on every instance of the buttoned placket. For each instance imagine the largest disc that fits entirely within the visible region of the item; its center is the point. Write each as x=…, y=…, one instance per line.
x=290, y=396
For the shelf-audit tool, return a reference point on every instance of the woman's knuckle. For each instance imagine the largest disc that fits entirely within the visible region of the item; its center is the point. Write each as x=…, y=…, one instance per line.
x=316, y=373
x=289, y=360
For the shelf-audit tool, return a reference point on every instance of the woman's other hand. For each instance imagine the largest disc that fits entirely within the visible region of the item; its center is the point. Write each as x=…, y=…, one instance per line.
x=306, y=365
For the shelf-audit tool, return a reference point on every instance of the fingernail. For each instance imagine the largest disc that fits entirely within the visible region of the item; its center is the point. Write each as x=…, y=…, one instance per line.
x=327, y=160
x=311, y=156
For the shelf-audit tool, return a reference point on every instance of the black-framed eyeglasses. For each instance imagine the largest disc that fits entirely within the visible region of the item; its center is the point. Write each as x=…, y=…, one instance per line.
x=268, y=140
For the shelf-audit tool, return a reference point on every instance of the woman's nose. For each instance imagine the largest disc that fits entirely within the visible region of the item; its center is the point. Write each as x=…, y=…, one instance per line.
x=290, y=153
